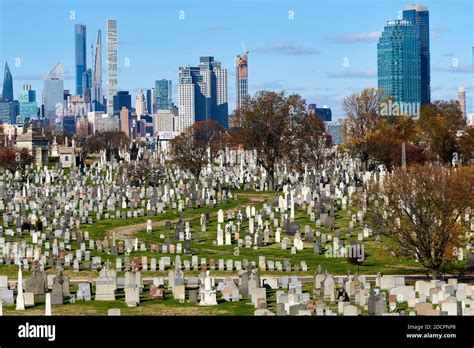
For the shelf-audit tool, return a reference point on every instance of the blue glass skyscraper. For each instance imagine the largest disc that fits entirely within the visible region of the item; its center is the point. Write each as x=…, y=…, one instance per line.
x=150, y=103
x=121, y=99
x=87, y=84
x=7, y=93
x=8, y=111
x=324, y=113
x=419, y=16
x=398, y=62
x=163, y=99
x=80, y=44
x=27, y=102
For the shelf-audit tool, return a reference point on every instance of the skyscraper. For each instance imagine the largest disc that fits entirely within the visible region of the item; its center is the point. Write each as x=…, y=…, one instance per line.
x=151, y=100
x=124, y=121
x=7, y=93
x=241, y=72
x=53, y=91
x=81, y=58
x=419, y=16
x=111, y=63
x=27, y=102
x=87, y=84
x=323, y=113
x=163, y=91
x=8, y=111
x=140, y=105
x=188, y=96
x=97, y=98
x=398, y=62
x=202, y=94
x=121, y=99
x=462, y=100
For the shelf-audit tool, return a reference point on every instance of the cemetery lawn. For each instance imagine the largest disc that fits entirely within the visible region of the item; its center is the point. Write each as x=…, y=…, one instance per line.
x=166, y=307
x=378, y=256
x=147, y=307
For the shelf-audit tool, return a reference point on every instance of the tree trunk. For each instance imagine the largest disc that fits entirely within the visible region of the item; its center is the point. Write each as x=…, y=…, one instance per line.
x=271, y=179
x=434, y=274
x=366, y=162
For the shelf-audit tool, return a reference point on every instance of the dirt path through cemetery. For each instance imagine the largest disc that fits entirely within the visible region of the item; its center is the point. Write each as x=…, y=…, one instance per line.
x=126, y=232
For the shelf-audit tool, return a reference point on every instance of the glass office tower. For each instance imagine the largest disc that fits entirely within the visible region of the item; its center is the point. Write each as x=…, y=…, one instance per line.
x=81, y=61
x=53, y=91
x=419, y=16
x=7, y=92
x=398, y=62
x=163, y=92
x=27, y=103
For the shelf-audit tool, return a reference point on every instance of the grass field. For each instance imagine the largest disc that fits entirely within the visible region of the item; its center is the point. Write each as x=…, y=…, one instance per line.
x=378, y=258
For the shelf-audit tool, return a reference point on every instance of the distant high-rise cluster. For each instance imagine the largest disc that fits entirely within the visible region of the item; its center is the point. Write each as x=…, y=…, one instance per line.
x=403, y=75
x=403, y=58
x=202, y=94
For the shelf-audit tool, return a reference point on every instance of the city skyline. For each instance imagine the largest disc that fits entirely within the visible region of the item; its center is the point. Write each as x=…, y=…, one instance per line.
x=323, y=64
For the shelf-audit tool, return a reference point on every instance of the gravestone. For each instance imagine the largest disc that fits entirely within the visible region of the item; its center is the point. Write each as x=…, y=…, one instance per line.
x=36, y=283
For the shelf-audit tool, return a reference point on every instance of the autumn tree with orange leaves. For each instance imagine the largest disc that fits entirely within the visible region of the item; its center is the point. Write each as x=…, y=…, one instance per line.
x=420, y=208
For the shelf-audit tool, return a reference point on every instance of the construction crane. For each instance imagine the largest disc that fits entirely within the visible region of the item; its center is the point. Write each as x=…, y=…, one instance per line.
x=245, y=49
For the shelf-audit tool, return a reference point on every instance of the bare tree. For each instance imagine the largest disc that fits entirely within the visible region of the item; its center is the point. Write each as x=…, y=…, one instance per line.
x=361, y=120
x=440, y=123
x=50, y=131
x=145, y=170
x=270, y=123
x=198, y=146
x=82, y=131
x=15, y=159
x=109, y=141
x=420, y=208
x=312, y=143
x=466, y=146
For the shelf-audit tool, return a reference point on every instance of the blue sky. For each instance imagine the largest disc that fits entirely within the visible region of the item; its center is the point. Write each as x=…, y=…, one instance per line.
x=300, y=46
